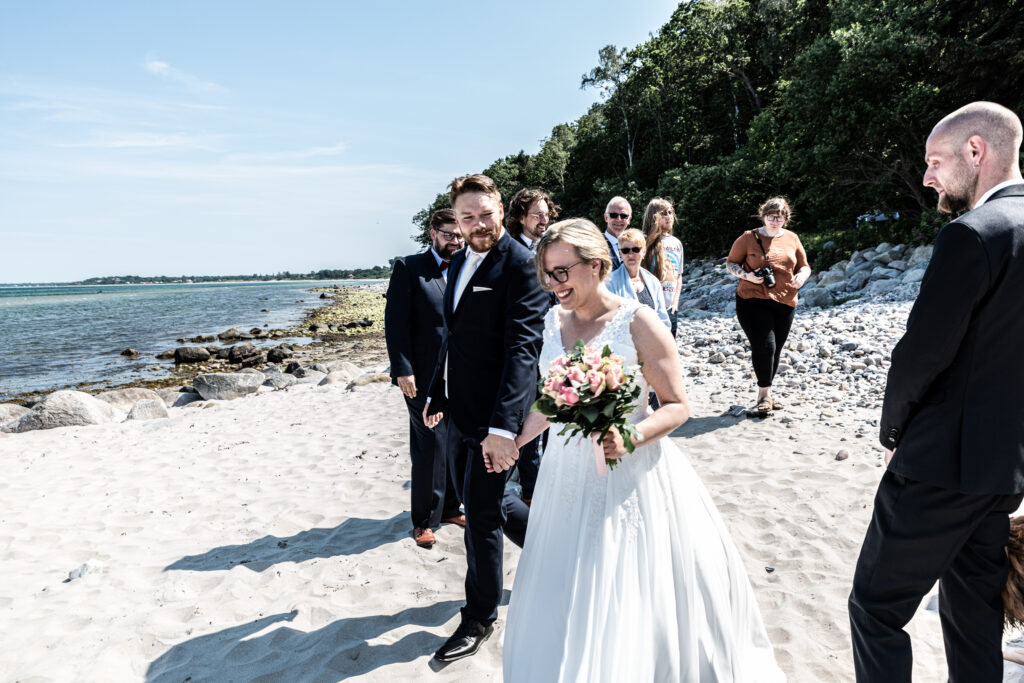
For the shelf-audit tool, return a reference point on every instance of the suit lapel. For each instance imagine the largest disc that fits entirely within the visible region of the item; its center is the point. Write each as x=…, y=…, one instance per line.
x=481, y=271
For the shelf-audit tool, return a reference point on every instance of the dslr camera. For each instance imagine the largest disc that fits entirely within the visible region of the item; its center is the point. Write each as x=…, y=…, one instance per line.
x=768, y=274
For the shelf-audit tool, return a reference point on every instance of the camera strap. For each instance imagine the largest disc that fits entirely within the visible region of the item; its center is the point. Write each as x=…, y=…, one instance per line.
x=761, y=244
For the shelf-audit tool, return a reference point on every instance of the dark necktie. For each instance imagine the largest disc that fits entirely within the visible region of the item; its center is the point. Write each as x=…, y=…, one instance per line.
x=444, y=266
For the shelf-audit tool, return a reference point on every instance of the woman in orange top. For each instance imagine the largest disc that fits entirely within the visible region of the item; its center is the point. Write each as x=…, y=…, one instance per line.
x=766, y=296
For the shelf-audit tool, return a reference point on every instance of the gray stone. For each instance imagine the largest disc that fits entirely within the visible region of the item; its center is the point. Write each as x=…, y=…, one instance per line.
x=240, y=352
x=920, y=255
x=166, y=355
x=320, y=367
x=10, y=412
x=882, y=273
x=301, y=372
x=914, y=275
x=883, y=258
x=230, y=335
x=842, y=455
x=831, y=277
x=226, y=386
x=717, y=358
x=191, y=354
x=280, y=380
x=65, y=409
x=899, y=265
x=856, y=281
x=881, y=287
x=816, y=298
x=883, y=248
x=277, y=355
x=148, y=409
x=124, y=399
x=175, y=399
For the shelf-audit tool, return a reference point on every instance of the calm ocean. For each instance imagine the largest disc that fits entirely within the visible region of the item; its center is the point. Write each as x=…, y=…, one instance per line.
x=56, y=337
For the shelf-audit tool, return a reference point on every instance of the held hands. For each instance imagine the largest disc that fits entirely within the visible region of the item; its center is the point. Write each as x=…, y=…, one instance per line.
x=614, y=448
x=408, y=385
x=431, y=420
x=500, y=453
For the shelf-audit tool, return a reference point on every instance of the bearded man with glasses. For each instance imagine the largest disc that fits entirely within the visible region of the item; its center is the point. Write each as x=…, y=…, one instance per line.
x=413, y=330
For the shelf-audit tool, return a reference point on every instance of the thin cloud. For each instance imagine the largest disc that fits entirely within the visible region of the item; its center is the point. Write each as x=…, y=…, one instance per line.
x=142, y=140
x=292, y=155
x=163, y=70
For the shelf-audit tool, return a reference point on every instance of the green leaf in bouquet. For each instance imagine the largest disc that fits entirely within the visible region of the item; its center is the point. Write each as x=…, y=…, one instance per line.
x=606, y=351
x=609, y=409
x=590, y=413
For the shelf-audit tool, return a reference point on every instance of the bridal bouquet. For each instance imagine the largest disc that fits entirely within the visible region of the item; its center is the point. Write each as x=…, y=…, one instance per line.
x=591, y=392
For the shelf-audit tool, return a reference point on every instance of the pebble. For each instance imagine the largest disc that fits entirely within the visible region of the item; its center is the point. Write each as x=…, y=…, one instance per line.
x=842, y=455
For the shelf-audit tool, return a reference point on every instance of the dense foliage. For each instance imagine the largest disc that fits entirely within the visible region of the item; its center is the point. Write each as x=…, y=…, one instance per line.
x=731, y=101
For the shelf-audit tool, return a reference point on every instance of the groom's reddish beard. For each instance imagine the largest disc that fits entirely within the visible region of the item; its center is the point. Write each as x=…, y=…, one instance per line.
x=959, y=193
x=483, y=239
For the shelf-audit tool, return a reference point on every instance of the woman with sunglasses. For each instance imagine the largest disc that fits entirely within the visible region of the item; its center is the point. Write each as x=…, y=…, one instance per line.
x=632, y=281
x=664, y=257
x=630, y=576
x=771, y=265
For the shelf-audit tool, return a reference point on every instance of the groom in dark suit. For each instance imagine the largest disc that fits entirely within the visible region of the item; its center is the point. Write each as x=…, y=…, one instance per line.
x=953, y=417
x=413, y=330
x=486, y=379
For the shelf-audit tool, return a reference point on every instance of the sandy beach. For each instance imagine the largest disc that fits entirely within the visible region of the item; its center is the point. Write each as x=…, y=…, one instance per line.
x=267, y=539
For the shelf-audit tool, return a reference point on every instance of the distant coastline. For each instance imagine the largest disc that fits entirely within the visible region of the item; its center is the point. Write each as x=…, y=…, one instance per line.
x=374, y=273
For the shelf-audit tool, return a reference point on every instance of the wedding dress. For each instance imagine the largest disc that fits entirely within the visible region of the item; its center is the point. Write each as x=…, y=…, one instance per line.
x=631, y=576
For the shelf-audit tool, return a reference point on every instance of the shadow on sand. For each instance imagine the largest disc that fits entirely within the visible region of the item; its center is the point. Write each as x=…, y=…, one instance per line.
x=696, y=426
x=351, y=537
x=335, y=652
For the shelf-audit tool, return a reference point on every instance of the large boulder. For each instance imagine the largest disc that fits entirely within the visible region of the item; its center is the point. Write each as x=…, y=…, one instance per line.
x=191, y=354
x=349, y=367
x=233, y=334
x=857, y=281
x=922, y=254
x=279, y=380
x=227, y=385
x=175, y=399
x=278, y=355
x=124, y=399
x=816, y=297
x=10, y=412
x=831, y=277
x=369, y=378
x=65, y=409
x=336, y=377
x=148, y=409
x=914, y=275
x=881, y=286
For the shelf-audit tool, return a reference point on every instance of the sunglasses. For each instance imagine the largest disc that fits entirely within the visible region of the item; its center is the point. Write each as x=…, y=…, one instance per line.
x=631, y=250
x=450, y=236
x=621, y=216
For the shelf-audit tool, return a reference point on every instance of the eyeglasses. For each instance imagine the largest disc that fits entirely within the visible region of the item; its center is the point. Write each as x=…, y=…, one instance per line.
x=449, y=235
x=620, y=216
x=561, y=274
x=540, y=216
x=775, y=218
x=631, y=250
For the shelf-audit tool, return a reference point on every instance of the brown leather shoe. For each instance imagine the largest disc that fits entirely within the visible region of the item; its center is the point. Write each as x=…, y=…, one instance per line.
x=424, y=537
x=457, y=519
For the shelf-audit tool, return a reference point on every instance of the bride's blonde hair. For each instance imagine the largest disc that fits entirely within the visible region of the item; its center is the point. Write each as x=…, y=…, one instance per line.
x=583, y=236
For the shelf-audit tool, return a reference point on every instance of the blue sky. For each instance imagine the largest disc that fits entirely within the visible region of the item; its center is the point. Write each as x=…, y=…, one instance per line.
x=257, y=137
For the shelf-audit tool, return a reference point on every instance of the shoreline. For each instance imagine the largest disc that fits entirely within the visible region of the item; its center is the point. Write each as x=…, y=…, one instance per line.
x=348, y=305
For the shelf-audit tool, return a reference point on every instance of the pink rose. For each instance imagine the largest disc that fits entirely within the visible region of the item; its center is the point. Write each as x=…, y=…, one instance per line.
x=568, y=396
x=613, y=377
x=560, y=362
x=552, y=385
x=593, y=360
x=596, y=380
x=576, y=376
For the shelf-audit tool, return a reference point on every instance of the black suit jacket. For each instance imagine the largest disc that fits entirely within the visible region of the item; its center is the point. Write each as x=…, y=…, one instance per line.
x=414, y=320
x=954, y=400
x=616, y=261
x=492, y=343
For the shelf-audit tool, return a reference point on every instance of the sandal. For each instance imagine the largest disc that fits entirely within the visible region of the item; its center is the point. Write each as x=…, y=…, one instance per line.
x=762, y=409
x=776, y=405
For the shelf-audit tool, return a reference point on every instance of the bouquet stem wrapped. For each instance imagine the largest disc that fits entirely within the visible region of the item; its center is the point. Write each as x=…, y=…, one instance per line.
x=590, y=392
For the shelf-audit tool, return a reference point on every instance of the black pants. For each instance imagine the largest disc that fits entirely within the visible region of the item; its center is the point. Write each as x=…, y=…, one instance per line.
x=919, y=534
x=529, y=464
x=433, y=493
x=766, y=324
x=490, y=511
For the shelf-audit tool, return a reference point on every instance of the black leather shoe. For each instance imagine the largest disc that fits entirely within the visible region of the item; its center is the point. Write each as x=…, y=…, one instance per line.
x=466, y=640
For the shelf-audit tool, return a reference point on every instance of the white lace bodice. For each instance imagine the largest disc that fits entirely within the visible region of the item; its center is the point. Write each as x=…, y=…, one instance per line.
x=615, y=334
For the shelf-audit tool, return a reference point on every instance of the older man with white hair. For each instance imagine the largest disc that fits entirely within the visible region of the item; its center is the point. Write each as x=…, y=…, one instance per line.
x=616, y=216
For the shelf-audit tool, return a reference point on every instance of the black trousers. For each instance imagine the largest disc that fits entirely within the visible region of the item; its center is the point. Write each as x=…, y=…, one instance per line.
x=529, y=463
x=433, y=493
x=919, y=534
x=490, y=514
x=766, y=324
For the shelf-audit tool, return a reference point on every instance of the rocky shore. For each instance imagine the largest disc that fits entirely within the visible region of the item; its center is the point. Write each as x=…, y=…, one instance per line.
x=347, y=344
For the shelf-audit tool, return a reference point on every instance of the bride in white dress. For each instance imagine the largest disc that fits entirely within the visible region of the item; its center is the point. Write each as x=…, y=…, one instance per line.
x=631, y=576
